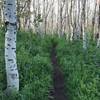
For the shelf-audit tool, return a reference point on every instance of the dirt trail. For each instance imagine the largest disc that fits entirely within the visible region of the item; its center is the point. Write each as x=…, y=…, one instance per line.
x=58, y=80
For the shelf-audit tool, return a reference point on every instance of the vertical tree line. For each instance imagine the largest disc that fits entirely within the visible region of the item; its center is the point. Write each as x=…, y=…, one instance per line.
x=10, y=20
x=39, y=15
x=73, y=19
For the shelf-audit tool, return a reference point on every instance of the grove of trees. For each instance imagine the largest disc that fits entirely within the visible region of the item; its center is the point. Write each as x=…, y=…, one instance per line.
x=72, y=25
x=67, y=17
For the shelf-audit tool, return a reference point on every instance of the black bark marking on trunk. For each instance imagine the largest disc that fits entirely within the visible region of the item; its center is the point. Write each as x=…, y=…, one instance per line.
x=9, y=16
x=13, y=76
x=15, y=51
x=10, y=60
x=13, y=48
x=9, y=4
x=9, y=45
x=6, y=55
x=12, y=69
x=9, y=85
x=6, y=48
x=8, y=9
x=8, y=39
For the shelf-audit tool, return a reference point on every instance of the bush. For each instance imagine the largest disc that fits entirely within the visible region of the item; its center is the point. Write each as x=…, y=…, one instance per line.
x=34, y=66
x=82, y=76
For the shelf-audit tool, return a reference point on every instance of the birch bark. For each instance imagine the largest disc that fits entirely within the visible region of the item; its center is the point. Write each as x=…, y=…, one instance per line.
x=98, y=40
x=10, y=45
x=83, y=25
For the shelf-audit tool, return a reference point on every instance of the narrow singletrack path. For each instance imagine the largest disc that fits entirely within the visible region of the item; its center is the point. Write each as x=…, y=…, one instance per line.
x=58, y=80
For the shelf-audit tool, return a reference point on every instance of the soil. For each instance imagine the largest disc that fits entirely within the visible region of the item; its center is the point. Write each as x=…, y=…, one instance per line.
x=58, y=79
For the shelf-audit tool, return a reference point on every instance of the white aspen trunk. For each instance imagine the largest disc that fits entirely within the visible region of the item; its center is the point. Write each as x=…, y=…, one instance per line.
x=94, y=21
x=1, y=14
x=10, y=45
x=39, y=18
x=98, y=40
x=44, y=16
x=58, y=17
x=31, y=16
x=84, y=37
x=79, y=18
x=77, y=21
x=83, y=25
x=71, y=21
x=27, y=17
x=52, y=18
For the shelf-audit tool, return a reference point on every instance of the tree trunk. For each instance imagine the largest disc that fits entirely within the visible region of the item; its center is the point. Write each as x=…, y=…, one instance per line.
x=83, y=25
x=1, y=16
x=98, y=40
x=93, y=22
x=10, y=45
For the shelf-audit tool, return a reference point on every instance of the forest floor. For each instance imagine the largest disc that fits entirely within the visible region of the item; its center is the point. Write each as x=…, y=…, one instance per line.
x=58, y=79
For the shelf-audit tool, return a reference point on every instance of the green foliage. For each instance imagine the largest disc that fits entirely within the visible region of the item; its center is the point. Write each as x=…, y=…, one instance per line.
x=82, y=76
x=34, y=66
x=2, y=64
x=81, y=69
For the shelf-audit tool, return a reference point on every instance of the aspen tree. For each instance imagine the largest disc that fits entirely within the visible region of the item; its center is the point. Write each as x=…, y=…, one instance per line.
x=10, y=46
x=83, y=24
x=98, y=40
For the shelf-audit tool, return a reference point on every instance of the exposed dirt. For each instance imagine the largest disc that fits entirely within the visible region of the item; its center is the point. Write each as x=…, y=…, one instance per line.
x=58, y=80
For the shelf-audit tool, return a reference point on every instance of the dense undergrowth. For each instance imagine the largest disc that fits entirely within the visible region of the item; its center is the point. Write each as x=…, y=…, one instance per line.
x=81, y=69
x=35, y=70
